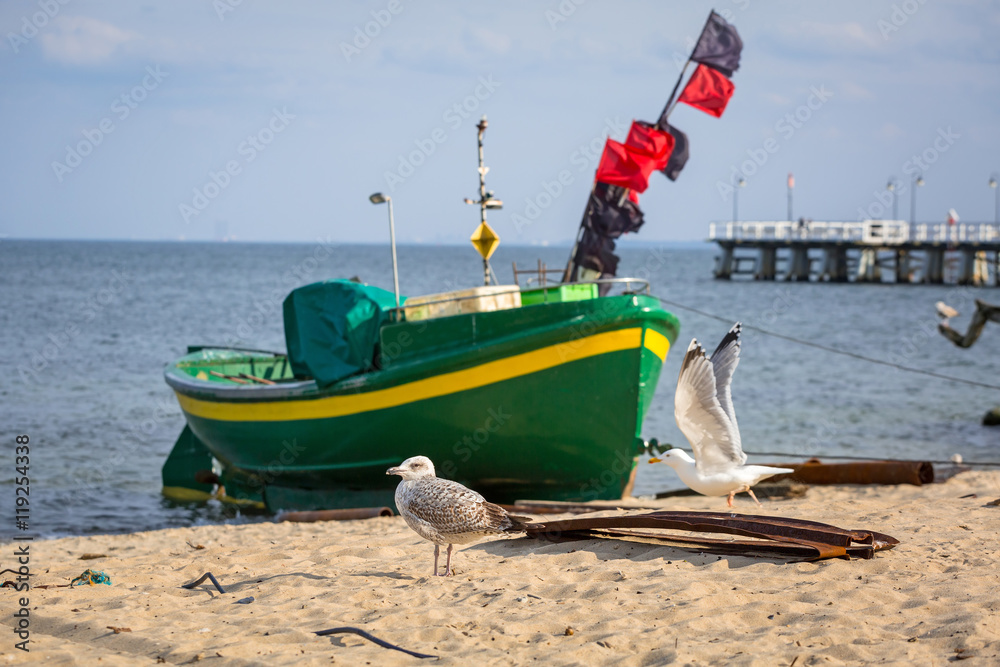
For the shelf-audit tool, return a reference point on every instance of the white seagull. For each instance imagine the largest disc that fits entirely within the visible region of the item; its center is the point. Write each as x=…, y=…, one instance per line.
x=703, y=407
x=445, y=512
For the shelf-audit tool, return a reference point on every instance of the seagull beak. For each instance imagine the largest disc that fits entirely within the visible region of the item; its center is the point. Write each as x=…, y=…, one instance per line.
x=394, y=471
x=655, y=460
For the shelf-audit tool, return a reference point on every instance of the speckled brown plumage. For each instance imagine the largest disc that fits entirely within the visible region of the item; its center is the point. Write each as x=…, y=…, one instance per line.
x=445, y=512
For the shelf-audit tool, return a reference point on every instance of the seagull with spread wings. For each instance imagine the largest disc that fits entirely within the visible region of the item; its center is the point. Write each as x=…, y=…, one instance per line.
x=703, y=407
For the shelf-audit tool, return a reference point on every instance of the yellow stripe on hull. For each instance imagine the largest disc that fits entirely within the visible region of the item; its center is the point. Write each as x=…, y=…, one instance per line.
x=439, y=385
x=657, y=343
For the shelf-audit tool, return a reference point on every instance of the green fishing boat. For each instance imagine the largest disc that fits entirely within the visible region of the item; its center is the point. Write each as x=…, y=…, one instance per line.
x=518, y=393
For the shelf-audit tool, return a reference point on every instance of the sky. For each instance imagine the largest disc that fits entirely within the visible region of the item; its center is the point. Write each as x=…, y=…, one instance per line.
x=274, y=122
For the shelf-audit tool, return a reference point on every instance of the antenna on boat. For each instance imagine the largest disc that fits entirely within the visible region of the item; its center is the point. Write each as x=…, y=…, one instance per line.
x=484, y=239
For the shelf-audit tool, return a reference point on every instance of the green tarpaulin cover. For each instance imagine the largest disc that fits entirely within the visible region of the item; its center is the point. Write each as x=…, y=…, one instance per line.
x=332, y=327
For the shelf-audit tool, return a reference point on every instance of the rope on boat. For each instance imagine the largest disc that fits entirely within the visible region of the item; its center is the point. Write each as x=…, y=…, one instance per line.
x=832, y=350
x=869, y=458
x=655, y=447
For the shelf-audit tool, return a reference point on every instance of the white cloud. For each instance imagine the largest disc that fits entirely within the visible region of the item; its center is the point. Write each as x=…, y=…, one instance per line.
x=841, y=33
x=79, y=40
x=856, y=91
x=814, y=39
x=890, y=131
x=777, y=99
x=493, y=42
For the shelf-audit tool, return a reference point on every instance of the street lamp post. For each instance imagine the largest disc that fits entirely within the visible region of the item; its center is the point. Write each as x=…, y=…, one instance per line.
x=379, y=198
x=918, y=181
x=891, y=187
x=736, y=198
x=791, y=187
x=996, y=209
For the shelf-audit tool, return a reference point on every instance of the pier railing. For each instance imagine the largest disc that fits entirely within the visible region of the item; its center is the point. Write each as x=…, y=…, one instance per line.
x=867, y=232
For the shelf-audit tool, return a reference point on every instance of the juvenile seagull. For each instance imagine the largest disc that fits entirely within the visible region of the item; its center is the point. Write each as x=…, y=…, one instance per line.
x=703, y=407
x=445, y=512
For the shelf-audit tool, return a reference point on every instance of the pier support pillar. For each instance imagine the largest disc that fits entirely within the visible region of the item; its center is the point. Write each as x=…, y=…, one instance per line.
x=967, y=267
x=934, y=266
x=904, y=272
x=835, y=264
x=724, y=267
x=868, y=268
x=981, y=269
x=768, y=261
x=799, y=270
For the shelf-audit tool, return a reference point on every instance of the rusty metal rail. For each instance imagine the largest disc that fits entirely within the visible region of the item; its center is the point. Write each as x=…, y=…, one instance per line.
x=809, y=540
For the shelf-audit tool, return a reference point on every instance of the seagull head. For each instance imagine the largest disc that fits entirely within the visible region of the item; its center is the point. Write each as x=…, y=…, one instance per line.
x=673, y=458
x=414, y=467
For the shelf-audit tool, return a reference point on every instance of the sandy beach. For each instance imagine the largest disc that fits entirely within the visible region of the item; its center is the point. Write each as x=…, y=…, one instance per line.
x=931, y=600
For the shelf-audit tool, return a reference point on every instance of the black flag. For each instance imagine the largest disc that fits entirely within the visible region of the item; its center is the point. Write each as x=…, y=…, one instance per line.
x=611, y=213
x=719, y=46
x=596, y=252
x=679, y=156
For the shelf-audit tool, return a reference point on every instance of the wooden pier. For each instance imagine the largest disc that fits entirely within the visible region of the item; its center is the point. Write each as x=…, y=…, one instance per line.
x=870, y=251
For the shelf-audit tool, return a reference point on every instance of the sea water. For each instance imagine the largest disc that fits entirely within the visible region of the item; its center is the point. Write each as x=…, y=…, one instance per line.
x=87, y=328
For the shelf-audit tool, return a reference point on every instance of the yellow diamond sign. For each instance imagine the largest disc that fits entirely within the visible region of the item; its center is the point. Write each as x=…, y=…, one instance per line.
x=485, y=240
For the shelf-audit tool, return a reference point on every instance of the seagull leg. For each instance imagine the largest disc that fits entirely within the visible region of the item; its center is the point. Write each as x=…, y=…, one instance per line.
x=437, y=552
x=729, y=501
x=750, y=491
x=447, y=569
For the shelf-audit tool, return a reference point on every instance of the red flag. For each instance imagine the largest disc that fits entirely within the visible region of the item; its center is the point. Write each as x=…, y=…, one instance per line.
x=646, y=149
x=620, y=166
x=791, y=181
x=651, y=143
x=708, y=90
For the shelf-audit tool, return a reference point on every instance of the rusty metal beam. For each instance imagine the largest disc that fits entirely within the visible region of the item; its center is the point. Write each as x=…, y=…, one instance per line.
x=811, y=539
x=816, y=472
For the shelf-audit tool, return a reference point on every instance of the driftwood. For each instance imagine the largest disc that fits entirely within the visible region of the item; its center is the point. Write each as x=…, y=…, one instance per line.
x=985, y=312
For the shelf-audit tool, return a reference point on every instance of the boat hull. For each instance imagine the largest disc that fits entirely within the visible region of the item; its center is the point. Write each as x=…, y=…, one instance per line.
x=548, y=411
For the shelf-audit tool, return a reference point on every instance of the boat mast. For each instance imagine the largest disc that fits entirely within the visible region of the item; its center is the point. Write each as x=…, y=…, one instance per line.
x=482, y=193
x=484, y=238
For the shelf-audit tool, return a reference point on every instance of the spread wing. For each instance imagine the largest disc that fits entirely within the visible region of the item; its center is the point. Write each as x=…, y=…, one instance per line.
x=724, y=361
x=701, y=417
